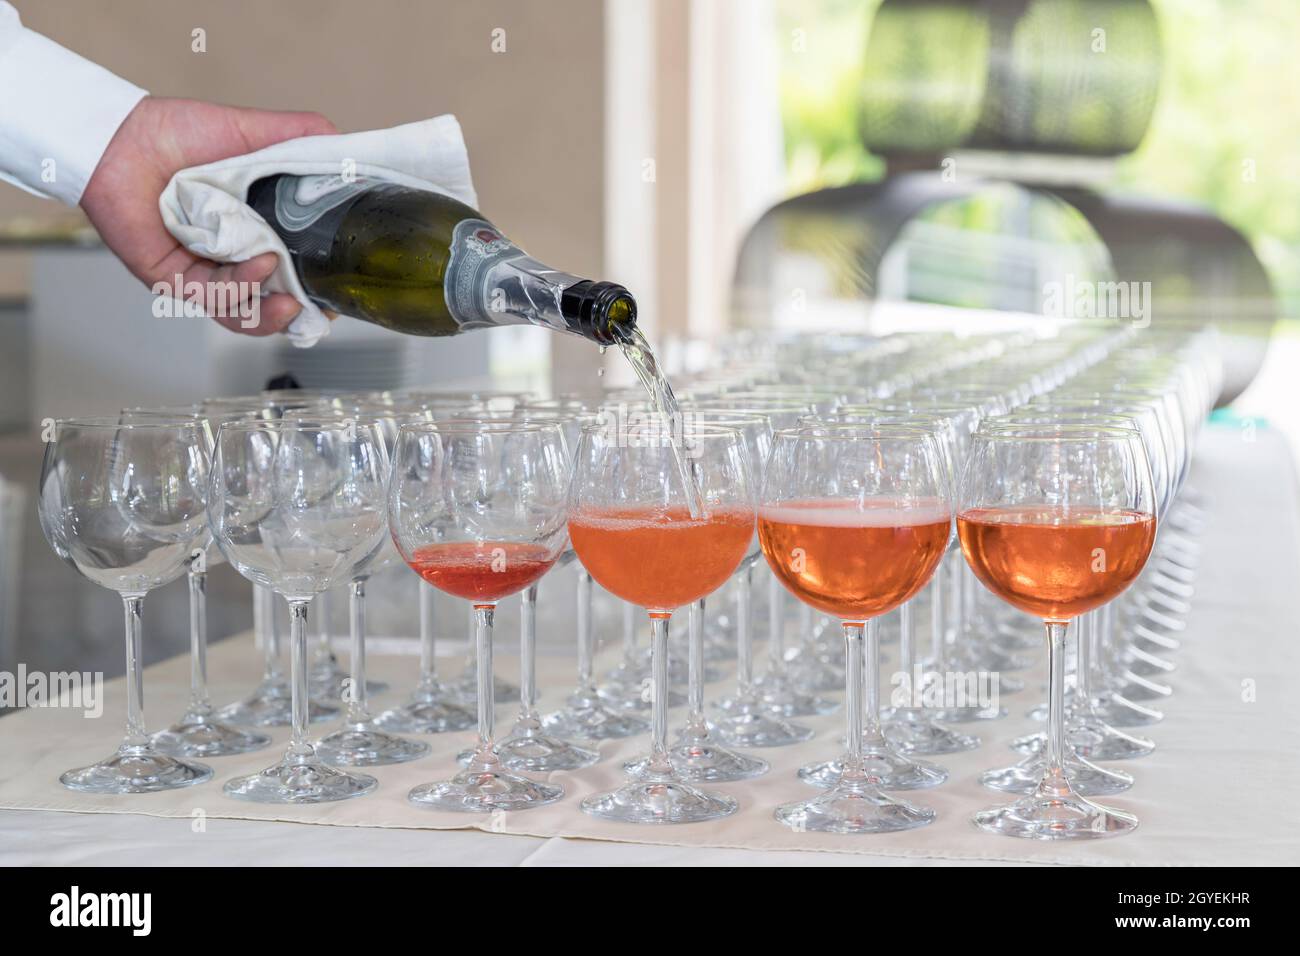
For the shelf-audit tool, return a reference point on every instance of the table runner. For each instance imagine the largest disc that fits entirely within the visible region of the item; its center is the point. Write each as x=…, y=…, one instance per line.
x=1208, y=795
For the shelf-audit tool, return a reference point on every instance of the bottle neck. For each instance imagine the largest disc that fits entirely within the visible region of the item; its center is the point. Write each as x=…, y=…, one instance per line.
x=525, y=290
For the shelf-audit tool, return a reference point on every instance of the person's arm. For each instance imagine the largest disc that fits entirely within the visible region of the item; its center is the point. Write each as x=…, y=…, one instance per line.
x=57, y=114
x=72, y=130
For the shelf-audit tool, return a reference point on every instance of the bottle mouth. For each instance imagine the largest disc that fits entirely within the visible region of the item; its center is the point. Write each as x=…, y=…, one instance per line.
x=604, y=311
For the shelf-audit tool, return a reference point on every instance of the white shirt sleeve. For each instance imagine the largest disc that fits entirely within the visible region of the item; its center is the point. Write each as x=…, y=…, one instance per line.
x=58, y=112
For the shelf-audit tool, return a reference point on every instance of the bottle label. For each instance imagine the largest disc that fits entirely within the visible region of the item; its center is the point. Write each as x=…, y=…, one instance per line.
x=478, y=253
x=301, y=200
x=308, y=210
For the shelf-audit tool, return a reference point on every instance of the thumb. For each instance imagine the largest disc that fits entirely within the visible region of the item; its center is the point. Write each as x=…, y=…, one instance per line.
x=263, y=128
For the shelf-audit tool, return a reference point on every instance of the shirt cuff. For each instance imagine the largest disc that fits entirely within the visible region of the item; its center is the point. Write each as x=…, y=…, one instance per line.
x=58, y=116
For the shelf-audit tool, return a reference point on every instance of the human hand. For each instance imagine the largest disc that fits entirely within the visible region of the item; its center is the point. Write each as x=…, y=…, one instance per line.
x=157, y=139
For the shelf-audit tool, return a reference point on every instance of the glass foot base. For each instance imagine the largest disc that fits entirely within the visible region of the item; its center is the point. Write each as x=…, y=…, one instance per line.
x=136, y=770
x=758, y=728
x=780, y=696
x=199, y=735
x=537, y=752
x=1121, y=712
x=883, y=768
x=816, y=675
x=1087, y=779
x=427, y=717
x=659, y=800
x=701, y=760
x=485, y=791
x=967, y=715
x=300, y=781
x=332, y=689
x=1141, y=690
x=270, y=706
x=1044, y=816
x=856, y=809
x=586, y=717
x=635, y=696
x=362, y=746
x=1091, y=739
x=911, y=732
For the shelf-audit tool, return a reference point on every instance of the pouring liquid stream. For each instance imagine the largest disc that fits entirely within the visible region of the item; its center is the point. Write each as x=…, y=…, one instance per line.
x=641, y=357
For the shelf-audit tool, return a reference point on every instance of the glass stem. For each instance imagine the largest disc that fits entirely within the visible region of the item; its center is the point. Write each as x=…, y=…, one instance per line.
x=428, y=650
x=871, y=697
x=629, y=634
x=486, y=703
x=695, y=724
x=1085, y=625
x=936, y=628
x=586, y=682
x=776, y=614
x=198, y=582
x=268, y=630
x=325, y=626
x=528, y=655
x=907, y=650
x=356, y=696
x=299, y=746
x=1054, y=780
x=776, y=631
x=955, y=621
x=852, y=765
x=744, y=631
x=133, y=610
x=659, y=764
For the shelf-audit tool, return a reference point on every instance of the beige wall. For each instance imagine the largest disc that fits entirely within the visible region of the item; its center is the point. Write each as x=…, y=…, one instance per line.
x=533, y=115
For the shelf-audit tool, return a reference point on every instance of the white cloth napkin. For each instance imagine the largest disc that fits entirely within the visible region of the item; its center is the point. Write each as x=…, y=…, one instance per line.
x=204, y=208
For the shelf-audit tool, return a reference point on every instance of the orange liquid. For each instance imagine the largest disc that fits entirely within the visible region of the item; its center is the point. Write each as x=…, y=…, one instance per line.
x=483, y=572
x=1052, y=562
x=853, y=563
x=660, y=559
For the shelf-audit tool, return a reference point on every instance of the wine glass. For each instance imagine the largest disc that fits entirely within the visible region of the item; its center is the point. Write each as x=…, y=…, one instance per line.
x=908, y=726
x=529, y=745
x=298, y=506
x=1056, y=520
x=661, y=514
x=269, y=704
x=698, y=755
x=477, y=509
x=359, y=742
x=854, y=520
x=123, y=504
x=198, y=733
x=432, y=707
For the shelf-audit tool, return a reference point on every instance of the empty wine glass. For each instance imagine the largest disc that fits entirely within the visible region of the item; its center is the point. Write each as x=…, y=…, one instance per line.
x=298, y=506
x=1056, y=520
x=198, y=733
x=854, y=520
x=660, y=519
x=359, y=743
x=477, y=509
x=123, y=504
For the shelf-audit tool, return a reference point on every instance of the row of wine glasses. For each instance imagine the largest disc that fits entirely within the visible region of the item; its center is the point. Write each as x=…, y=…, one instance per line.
x=1045, y=465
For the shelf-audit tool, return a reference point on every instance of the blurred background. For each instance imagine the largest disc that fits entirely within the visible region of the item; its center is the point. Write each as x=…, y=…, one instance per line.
x=746, y=167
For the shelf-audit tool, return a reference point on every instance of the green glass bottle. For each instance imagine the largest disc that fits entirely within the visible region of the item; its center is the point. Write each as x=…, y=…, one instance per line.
x=422, y=263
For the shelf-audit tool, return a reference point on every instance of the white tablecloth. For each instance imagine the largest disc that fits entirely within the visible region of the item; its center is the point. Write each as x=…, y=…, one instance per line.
x=1208, y=795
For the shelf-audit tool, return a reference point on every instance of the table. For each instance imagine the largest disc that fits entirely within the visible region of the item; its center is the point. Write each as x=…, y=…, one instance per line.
x=1208, y=795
